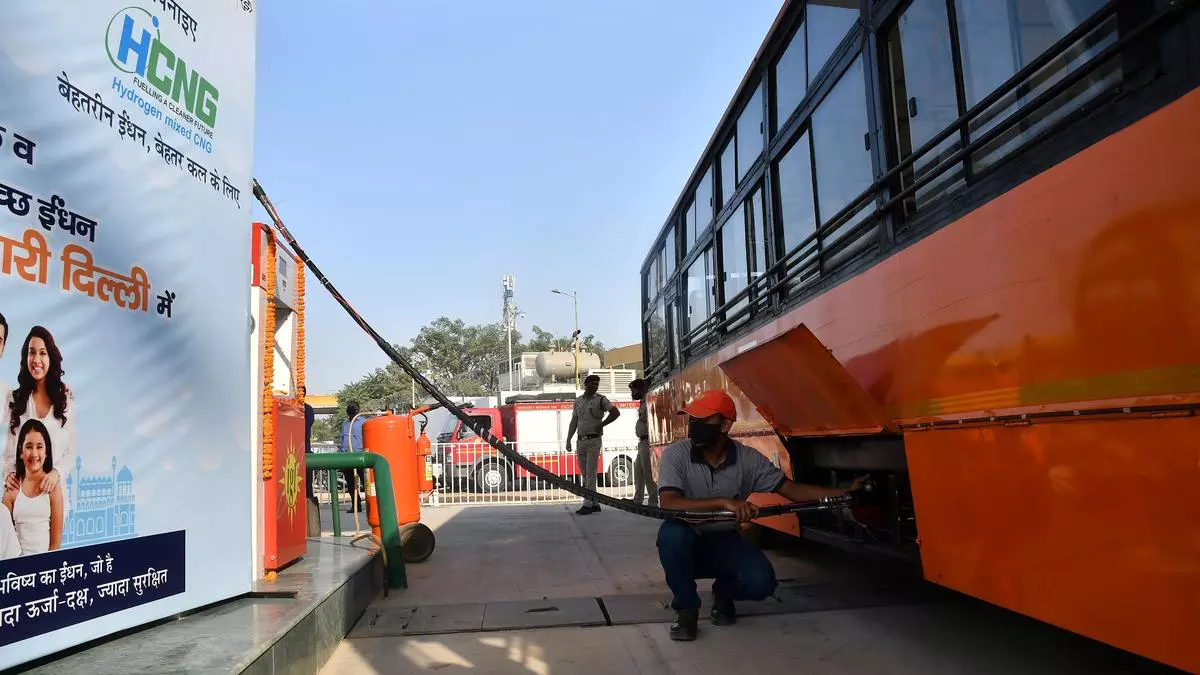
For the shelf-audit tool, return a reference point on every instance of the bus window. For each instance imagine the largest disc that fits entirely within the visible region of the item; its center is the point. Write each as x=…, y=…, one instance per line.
x=795, y=189
x=791, y=79
x=689, y=227
x=756, y=225
x=670, y=248
x=704, y=202
x=1000, y=38
x=828, y=22
x=841, y=158
x=749, y=135
x=728, y=171
x=924, y=93
x=699, y=291
x=656, y=334
x=735, y=271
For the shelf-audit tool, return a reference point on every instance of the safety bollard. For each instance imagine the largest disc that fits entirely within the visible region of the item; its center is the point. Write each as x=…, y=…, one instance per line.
x=396, y=574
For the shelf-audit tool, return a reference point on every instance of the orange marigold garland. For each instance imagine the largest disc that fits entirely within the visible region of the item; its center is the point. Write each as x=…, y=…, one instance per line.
x=299, y=360
x=268, y=346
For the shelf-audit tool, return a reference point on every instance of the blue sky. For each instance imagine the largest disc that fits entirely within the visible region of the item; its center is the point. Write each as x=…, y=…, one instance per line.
x=421, y=151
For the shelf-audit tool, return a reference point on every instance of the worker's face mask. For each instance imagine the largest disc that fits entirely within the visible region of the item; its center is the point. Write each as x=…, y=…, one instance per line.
x=703, y=434
x=638, y=395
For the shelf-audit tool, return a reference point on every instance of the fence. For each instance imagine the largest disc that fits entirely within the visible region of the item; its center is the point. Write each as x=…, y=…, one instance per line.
x=467, y=473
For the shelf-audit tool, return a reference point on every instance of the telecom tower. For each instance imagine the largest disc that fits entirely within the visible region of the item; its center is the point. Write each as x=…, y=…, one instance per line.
x=511, y=314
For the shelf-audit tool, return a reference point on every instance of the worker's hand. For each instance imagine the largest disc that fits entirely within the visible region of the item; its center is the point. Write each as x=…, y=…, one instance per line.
x=745, y=511
x=858, y=483
x=569, y=447
x=11, y=482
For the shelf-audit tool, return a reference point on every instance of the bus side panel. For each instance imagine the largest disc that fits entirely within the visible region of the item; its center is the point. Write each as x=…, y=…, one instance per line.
x=1093, y=526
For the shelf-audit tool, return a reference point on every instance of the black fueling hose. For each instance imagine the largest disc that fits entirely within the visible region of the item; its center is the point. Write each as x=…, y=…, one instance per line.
x=486, y=434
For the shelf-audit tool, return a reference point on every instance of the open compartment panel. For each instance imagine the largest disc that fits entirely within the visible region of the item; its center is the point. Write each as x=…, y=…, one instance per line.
x=800, y=389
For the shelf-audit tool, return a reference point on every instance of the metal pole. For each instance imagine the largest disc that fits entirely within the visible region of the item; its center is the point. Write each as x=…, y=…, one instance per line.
x=510, y=360
x=333, y=500
x=575, y=301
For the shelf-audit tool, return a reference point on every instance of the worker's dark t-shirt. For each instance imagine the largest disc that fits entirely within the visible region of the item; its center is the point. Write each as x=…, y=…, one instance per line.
x=744, y=471
x=309, y=417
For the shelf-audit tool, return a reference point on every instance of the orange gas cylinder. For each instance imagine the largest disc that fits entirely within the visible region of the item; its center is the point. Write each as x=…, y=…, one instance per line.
x=392, y=436
x=425, y=459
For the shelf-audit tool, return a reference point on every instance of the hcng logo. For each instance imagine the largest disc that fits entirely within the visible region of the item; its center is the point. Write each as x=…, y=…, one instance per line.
x=133, y=48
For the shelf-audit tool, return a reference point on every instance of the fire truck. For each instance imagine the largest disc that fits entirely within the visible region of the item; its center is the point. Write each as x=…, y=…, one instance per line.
x=536, y=426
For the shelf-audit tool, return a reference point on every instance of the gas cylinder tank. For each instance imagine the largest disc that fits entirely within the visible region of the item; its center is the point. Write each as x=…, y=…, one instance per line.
x=393, y=437
x=562, y=364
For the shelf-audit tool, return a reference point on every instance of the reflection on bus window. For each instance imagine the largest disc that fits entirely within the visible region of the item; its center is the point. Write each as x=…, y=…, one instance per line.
x=734, y=261
x=1001, y=37
x=699, y=291
x=749, y=134
x=728, y=172
x=704, y=202
x=828, y=22
x=796, y=206
x=924, y=93
x=791, y=78
x=841, y=157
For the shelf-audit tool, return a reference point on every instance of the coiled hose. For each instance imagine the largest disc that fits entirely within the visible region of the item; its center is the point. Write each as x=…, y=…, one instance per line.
x=486, y=434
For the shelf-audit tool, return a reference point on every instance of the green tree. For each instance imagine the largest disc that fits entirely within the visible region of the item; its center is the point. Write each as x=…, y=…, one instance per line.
x=545, y=341
x=461, y=359
x=387, y=388
x=323, y=431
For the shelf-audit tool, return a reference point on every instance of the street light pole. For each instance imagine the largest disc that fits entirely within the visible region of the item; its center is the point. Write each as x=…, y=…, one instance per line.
x=575, y=300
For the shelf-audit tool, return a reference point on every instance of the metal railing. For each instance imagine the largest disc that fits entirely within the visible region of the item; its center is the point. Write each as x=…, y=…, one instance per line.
x=467, y=473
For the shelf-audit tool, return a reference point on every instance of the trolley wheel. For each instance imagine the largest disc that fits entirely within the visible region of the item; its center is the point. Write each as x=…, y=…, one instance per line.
x=417, y=542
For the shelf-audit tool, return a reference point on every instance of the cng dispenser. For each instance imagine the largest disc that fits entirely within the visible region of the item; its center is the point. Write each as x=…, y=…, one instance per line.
x=277, y=421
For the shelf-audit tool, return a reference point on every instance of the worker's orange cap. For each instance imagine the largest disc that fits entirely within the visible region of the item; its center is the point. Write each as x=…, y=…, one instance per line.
x=711, y=402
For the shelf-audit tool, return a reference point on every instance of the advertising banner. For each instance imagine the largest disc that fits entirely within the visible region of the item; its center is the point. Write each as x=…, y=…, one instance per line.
x=126, y=138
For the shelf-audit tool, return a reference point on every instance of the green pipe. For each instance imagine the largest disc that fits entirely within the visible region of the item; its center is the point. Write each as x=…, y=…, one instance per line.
x=388, y=523
x=335, y=508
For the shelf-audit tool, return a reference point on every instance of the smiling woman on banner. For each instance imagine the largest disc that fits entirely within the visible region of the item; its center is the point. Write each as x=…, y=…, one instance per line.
x=37, y=515
x=41, y=395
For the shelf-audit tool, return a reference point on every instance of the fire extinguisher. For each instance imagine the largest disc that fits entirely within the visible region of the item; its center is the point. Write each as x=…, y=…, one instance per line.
x=425, y=454
x=372, y=505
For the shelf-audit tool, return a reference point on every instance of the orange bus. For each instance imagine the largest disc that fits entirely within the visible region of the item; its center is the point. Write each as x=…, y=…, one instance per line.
x=956, y=244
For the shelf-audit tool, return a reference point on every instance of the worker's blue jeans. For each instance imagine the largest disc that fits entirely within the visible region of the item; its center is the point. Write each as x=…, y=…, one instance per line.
x=740, y=571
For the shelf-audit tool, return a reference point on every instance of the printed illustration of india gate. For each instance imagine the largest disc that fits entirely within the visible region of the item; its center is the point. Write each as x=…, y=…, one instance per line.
x=101, y=506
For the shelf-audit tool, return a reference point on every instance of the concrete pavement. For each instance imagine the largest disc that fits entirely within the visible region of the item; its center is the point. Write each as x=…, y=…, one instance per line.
x=541, y=566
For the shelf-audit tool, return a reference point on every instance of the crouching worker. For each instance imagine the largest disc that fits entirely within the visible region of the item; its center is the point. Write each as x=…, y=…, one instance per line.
x=709, y=471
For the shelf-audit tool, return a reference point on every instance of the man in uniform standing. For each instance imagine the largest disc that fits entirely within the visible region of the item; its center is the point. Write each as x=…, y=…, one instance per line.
x=588, y=419
x=642, y=476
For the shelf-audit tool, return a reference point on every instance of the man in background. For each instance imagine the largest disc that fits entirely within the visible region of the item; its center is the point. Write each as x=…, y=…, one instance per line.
x=309, y=418
x=588, y=419
x=642, y=476
x=314, y=506
x=351, y=441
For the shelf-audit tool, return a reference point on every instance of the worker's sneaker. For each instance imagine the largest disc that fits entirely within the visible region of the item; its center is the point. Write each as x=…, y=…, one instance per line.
x=585, y=510
x=684, y=627
x=723, y=613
